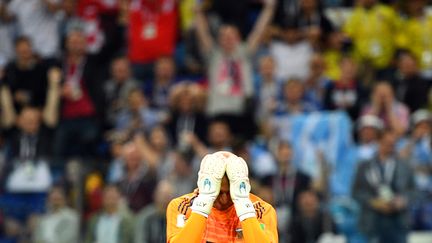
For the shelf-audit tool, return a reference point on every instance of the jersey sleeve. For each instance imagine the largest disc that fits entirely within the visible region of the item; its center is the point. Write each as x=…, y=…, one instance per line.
x=180, y=230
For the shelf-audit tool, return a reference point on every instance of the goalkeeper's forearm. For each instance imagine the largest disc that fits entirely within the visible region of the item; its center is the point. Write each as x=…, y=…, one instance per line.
x=253, y=233
x=192, y=232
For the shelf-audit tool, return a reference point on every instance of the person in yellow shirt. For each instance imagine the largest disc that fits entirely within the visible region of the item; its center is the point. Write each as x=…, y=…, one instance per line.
x=416, y=35
x=222, y=210
x=333, y=55
x=372, y=27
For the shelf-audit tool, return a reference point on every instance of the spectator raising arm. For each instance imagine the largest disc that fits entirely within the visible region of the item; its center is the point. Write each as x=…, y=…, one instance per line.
x=51, y=109
x=7, y=117
x=203, y=32
x=261, y=24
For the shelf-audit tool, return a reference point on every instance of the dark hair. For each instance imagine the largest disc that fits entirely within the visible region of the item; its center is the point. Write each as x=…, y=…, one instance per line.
x=22, y=39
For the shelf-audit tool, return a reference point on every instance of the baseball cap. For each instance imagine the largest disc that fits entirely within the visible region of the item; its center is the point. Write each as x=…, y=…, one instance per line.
x=370, y=121
x=420, y=116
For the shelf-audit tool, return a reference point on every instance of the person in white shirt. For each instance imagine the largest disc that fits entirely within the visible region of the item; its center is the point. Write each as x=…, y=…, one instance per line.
x=292, y=54
x=60, y=224
x=39, y=20
x=111, y=225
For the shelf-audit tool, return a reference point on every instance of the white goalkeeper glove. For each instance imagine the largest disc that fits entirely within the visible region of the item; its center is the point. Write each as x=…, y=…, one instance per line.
x=212, y=169
x=237, y=172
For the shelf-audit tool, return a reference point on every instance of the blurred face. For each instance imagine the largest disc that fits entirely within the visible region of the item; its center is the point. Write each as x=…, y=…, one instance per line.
x=335, y=40
x=223, y=201
x=367, y=3
x=165, y=69
x=317, y=65
x=181, y=166
x=186, y=102
x=131, y=156
x=120, y=70
x=308, y=203
x=76, y=43
x=116, y=150
x=136, y=100
x=284, y=154
x=229, y=38
x=293, y=91
x=23, y=50
x=387, y=144
x=111, y=198
x=69, y=7
x=219, y=134
x=29, y=120
x=56, y=199
x=308, y=5
x=291, y=35
x=368, y=135
x=348, y=69
x=266, y=67
x=158, y=138
x=163, y=194
x=423, y=128
x=415, y=6
x=382, y=93
x=407, y=65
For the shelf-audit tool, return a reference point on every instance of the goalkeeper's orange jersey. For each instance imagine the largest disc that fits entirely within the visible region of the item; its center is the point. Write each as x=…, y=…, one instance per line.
x=220, y=226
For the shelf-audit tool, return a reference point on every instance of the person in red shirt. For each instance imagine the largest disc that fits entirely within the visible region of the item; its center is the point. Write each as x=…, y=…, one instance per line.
x=82, y=96
x=152, y=33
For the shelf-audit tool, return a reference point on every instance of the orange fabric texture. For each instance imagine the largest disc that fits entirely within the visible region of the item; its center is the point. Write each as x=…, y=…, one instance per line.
x=221, y=226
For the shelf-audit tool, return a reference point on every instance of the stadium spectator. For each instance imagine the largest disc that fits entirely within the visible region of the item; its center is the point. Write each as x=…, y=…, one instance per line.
x=286, y=185
x=110, y=224
x=219, y=137
x=267, y=89
x=416, y=149
x=30, y=141
x=185, y=114
x=293, y=99
x=26, y=76
x=228, y=63
x=384, y=105
x=291, y=44
x=410, y=88
x=39, y=20
x=415, y=35
x=152, y=32
x=158, y=89
x=139, y=180
x=60, y=224
x=317, y=82
x=369, y=128
x=137, y=115
x=118, y=87
x=311, y=222
x=156, y=151
x=346, y=93
x=182, y=176
x=81, y=96
x=372, y=28
x=150, y=225
x=313, y=22
x=333, y=53
x=384, y=187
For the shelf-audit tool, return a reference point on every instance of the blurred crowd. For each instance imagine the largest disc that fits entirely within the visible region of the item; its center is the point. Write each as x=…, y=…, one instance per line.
x=108, y=106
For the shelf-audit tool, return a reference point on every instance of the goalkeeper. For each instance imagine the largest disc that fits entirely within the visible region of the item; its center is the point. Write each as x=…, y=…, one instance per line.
x=222, y=210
